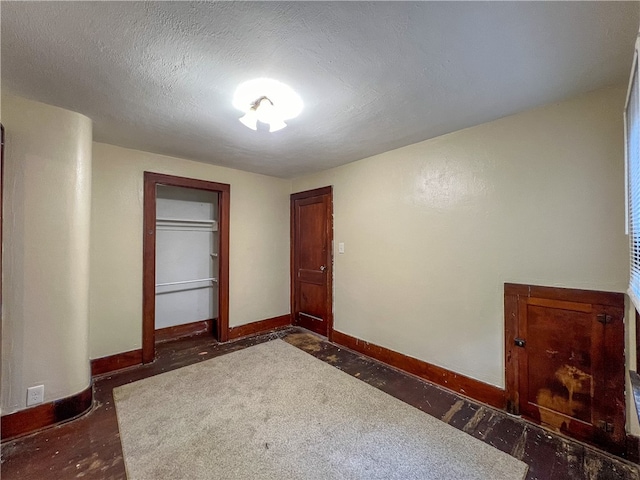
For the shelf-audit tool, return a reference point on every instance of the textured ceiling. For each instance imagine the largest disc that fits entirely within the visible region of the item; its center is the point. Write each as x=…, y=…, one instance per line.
x=160, y=76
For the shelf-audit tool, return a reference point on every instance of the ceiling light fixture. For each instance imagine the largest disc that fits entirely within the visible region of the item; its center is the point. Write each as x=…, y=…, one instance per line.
x=266, y=101
x=263, y=110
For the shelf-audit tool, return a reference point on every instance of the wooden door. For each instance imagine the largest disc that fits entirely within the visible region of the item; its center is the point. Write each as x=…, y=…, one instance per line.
x=566, y=360
x=312, y=259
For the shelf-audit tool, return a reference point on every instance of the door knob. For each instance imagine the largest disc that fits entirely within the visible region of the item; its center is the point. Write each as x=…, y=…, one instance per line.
x=323, y=268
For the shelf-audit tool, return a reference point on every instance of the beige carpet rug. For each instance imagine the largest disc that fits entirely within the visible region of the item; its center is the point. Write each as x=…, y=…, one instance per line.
x=274, y=412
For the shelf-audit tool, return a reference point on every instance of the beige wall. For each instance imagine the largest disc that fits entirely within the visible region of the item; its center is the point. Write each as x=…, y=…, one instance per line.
x=433, y=230
x=431, y=233
x=259, y=238
x=47, y=198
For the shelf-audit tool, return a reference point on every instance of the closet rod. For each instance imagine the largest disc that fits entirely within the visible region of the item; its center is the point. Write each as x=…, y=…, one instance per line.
x=184, y=220
x=213, y=279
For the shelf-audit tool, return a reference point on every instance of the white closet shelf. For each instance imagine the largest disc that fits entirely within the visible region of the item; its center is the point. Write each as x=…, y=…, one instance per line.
x=212, y=279
x=186, y=220
x=186, y=224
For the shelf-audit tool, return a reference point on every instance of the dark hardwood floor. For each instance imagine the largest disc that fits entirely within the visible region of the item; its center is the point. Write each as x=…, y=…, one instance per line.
x=89, y=447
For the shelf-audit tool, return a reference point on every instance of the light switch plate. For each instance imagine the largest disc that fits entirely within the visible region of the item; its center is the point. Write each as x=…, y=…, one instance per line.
x=341, y=247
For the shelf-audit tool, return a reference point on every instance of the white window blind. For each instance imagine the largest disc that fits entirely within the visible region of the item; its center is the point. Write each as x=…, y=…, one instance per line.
x=632, y=149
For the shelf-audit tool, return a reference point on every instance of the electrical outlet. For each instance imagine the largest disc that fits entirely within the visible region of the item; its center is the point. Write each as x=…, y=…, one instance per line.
x=35, y=395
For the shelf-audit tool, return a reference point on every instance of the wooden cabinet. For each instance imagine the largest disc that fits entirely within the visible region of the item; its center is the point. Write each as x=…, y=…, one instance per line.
x=565, y=361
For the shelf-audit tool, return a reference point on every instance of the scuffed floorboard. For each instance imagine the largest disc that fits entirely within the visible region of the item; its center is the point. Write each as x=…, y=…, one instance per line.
x=89, y=447
x=549, y=456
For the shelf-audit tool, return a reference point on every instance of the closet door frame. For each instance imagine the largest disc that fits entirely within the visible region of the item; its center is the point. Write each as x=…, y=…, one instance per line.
x=151, y=181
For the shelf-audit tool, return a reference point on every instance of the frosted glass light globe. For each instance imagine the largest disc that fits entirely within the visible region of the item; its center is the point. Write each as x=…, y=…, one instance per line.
x=286, y=103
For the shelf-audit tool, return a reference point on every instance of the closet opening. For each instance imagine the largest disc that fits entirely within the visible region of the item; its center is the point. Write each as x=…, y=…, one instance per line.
x=185, y=261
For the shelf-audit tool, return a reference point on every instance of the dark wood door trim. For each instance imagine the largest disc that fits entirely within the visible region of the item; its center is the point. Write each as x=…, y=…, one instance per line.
x=637, y=319
x=594, y=297
x=151, y=180
x=329, y=261
x=609, y=401
x=1, y=204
